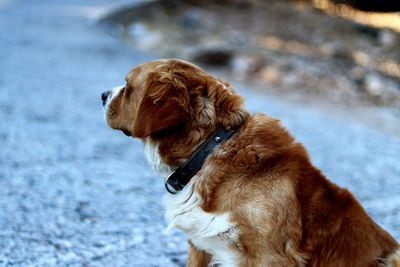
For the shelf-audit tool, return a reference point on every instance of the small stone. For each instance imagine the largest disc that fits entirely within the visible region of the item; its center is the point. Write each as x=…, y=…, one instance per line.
x=388, y=38
x=217, y=55
x=374, y=85
x=192, y=19
x=270, y=74
x=137, y=239
x=242, y=66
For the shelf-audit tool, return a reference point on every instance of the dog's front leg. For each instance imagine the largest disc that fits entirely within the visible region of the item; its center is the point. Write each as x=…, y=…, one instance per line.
x=197, y=258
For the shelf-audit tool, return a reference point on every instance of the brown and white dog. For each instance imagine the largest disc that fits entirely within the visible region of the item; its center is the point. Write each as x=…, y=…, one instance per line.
x=256, y=200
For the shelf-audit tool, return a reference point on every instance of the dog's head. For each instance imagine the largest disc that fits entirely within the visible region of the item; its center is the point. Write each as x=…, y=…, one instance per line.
x=172, y=98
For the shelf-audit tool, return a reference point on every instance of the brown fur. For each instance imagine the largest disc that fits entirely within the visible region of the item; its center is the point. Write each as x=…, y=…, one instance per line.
x=287, y=213
x=197, y=258
x=394, y=259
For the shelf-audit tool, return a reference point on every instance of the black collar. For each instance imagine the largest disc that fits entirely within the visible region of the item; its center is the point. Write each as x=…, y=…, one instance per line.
x=179, y=178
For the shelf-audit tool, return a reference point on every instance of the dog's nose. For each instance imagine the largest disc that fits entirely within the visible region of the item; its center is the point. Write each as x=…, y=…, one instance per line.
x=104, y=96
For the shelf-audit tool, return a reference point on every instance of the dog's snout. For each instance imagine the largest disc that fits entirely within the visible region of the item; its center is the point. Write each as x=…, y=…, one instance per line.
x=104, y=96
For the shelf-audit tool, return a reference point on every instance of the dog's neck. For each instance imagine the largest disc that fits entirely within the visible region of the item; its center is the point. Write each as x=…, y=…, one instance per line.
x=151, y=150
x=221, y=111
x=180, y=177
x=177, y=177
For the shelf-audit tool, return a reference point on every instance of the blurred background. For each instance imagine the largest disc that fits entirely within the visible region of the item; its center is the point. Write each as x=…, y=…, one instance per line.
x=73, y=192
x=342, y=52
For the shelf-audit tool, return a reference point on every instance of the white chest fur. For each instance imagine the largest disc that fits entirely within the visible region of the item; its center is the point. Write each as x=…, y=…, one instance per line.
x=213, y=233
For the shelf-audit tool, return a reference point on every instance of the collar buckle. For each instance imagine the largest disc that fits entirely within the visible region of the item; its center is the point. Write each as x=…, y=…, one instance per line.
x=172, y=185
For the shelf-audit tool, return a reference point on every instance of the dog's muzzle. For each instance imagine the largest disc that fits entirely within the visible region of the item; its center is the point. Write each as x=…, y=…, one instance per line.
x=108, y=95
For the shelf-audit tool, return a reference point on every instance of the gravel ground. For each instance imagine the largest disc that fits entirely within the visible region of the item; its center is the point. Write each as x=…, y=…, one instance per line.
x=75, y=193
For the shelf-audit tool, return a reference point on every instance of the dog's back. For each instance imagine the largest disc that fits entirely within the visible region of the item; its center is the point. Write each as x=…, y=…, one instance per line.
x=339, y=232
x=294, y=210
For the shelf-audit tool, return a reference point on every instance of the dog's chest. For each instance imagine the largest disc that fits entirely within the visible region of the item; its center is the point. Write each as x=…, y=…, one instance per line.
x=213, y=233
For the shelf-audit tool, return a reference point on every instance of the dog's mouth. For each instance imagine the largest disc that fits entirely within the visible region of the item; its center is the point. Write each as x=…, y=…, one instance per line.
x=106, y=98
x=127, y=133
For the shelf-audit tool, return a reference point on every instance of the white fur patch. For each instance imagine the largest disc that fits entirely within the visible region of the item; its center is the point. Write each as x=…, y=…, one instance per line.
x=153, y=157
x=213, y=233
x=114, y=92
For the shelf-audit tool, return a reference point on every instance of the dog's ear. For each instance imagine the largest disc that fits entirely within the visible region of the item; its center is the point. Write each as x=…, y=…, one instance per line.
x=230, y=111
x=162, y=105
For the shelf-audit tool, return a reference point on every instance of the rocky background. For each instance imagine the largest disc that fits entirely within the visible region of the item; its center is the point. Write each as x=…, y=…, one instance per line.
x=75, y=193
x=286, y=48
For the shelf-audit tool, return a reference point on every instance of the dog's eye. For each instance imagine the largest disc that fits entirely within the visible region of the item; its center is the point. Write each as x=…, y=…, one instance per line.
x=127, y=133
